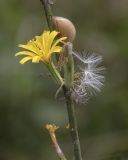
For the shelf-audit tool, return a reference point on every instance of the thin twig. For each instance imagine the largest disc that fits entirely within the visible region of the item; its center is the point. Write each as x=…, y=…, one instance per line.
x=48, y=13
x=52, y=131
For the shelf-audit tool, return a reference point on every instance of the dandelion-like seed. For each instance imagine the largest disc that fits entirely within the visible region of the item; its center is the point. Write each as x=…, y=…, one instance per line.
x=41, y=48
x=90, y=77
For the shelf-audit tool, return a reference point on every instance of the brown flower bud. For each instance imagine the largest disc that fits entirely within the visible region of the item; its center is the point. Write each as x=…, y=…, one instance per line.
x=65, y=27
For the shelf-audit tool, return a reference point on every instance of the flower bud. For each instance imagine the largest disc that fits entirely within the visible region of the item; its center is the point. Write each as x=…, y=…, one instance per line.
x=65, y=27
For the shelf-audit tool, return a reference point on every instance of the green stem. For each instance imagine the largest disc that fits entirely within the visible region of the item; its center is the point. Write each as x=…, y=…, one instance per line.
x=73, y=124
x=55, y=73
x=48, y=13
x=69, y=66
x=69, y=77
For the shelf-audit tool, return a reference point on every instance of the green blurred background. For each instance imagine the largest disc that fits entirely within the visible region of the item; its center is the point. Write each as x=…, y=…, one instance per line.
x=27, y=93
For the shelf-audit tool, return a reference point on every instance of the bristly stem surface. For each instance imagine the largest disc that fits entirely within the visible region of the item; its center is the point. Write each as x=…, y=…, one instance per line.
x=66, y=89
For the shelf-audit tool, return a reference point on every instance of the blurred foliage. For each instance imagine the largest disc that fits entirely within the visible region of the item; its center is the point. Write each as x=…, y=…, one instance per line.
x=27, y=94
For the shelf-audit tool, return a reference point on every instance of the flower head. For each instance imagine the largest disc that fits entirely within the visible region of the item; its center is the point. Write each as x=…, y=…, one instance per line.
x=41, y=48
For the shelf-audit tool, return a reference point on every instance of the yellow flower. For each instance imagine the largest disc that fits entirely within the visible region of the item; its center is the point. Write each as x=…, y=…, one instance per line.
x=41, y=48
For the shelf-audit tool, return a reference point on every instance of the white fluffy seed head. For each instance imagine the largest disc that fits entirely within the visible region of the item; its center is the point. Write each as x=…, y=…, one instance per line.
x=91, y=76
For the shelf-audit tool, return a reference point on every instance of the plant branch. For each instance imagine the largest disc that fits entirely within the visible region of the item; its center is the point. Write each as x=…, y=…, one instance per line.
x=66, y=89
x=52, y=130
x=69, y=77
x=73, y=125
x=48, y=13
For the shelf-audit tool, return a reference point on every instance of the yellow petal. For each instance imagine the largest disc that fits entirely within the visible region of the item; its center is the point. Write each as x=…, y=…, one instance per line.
x=36, y=59
x=45, y=39
x=30, y=47
x=38, y=41
x=24, y=53
x=24, y=60
x=56, y=49
x=57, y=41
x=52, y=36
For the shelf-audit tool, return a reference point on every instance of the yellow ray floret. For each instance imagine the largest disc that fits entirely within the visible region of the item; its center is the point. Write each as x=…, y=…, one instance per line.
x=41, y=48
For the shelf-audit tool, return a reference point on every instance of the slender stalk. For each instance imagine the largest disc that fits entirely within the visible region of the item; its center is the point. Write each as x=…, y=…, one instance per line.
x=67, y=94
x=73, y=125
x=69, y=77
x=55, y=73
x=48, y=13
x=69, y=65
x=52, y=131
